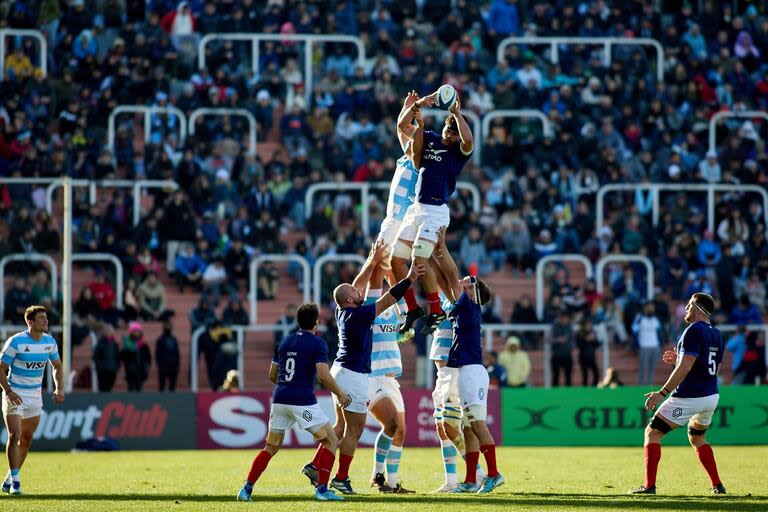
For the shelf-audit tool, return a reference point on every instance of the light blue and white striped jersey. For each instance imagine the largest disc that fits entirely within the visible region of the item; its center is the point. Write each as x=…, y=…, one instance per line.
x=27, y=359
x=402, y=191
x=385, y=356
x=442, y=339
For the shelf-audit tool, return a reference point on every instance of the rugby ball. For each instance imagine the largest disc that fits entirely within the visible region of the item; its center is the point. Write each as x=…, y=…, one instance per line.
x=446, y=95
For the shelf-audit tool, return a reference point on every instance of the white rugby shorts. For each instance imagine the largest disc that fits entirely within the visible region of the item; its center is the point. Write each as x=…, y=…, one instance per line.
x=309, y=417
x=354, y=383
x=31, y=405
x=682, y=410
x=383, y=386
x=423, y=222
x=446, y=393
x=473, y=385
x=389, y=229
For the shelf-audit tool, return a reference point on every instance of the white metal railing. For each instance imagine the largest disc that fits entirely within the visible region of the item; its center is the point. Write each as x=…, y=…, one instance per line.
x=28, y=257
x=477, y=136
x=147, y=111
x=307, y=39
x=227, y=112
x=655, y=188
x=523, y=113
x=240, y=331
x=611, y=258
x=54, y=184
x=254, y=286
x=725, y=114
x=111, y=258
x=607, y=42
x=753, y=327
x=36, y=34
x=555, y=258
x=317, y=270
x=365, y=199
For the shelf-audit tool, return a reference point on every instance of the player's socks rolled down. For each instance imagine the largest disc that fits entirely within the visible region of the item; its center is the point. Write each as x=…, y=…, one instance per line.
x=324, y=466
x=410, y=299
x=489, y=452
x=652, y=458
x=433, y=299
x=472, y=458
x=450, y=456
x=344, y=462
x=707, y=459
x=14, y=473
x=258, y=466
x=381, y=449
x=393, y=464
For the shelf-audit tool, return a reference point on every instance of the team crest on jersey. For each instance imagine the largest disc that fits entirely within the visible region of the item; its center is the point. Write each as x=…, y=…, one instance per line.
x=306, y=415
x=677, y=412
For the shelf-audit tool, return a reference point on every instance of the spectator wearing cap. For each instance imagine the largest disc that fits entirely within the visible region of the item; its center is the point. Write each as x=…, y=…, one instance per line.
x=179, y=22
x=709, y=168
x=136, y=357
x=516, y=362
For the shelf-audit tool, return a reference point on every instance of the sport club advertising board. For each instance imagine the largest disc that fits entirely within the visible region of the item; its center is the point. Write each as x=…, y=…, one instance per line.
x=617, y=417
x=242, y=420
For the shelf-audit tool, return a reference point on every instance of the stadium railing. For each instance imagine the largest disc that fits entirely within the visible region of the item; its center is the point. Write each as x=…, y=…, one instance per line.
x=317, y=271
x=33, y=256
x=606, y=42
x=477, y=135
x=556, y=258
x=365, y=199
x=307, y=39
x=227, y=112
x=726, y=114
x=711, y=189
x=240, y=331
x=253, y=278
x=521, y=113
x=629, y=258
x=111, y=258
x=35, y=34
x=147, y=111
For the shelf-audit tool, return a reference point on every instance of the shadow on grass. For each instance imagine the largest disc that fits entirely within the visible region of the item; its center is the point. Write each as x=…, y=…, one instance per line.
x=543, y=500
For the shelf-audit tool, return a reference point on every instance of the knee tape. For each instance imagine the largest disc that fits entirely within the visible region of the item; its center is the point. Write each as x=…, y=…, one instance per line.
x=452, y=417
x=401, y=250
x=696, y=432
x=660, y=425
x=423, y=250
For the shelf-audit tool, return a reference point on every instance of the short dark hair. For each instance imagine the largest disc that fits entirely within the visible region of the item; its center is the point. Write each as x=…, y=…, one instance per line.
x=705, y=302
x=485, y=293
x=32, y=311
x=451, y=123
x=307, y=316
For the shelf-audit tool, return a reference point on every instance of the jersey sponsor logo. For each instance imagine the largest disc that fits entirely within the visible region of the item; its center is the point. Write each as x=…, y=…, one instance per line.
x=26, y=349
x=388, y=328
x=36, y=365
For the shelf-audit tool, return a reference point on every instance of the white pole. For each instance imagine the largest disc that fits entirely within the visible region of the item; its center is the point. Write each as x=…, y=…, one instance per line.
x=66, y=283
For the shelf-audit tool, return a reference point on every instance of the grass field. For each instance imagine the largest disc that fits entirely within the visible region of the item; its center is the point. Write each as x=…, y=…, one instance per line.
x=538, y=479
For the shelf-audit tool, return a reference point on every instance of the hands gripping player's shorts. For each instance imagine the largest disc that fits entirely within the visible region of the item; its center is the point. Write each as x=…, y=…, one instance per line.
x=682, y=410
x=446, y=396
x=354, y=383
x=383, y=386
x=309, y=417
x=423, y=222
x=31, y=405
x=473, y=393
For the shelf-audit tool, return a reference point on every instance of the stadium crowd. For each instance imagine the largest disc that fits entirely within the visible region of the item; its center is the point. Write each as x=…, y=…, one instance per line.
x=612, y=123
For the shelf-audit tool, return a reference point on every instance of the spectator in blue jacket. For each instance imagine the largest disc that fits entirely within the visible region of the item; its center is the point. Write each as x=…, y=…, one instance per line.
x=189, y=267
x=745, y=313
x=737, y=345
x=503, y=19
x=709, y=251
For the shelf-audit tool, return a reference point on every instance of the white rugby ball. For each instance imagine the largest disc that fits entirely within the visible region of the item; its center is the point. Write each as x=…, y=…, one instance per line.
x=446, y=95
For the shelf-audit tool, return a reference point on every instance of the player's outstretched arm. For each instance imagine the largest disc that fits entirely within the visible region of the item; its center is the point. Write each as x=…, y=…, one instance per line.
x=447, y=267
x=325, y=378
x=405, y=127
x=678, y=375
x=465, y=134
x=398, y=291
x=377, y=254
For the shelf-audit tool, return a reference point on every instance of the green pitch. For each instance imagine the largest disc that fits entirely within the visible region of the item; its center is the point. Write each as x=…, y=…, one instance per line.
x=538, y=479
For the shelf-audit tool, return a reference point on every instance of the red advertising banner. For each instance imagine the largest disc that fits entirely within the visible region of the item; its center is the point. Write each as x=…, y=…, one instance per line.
x=226, y=420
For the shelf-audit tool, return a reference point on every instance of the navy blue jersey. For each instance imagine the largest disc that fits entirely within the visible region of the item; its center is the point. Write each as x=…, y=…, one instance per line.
x=467, y=347
x=440, y=165
x=702, y=340
x=355, y=337
x=296, y=356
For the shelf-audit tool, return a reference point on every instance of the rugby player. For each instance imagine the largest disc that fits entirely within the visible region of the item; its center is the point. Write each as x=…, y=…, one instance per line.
x=353, y=358
x=297, y=359
x=692, y=393
x=440, y=159
x=26, y=355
